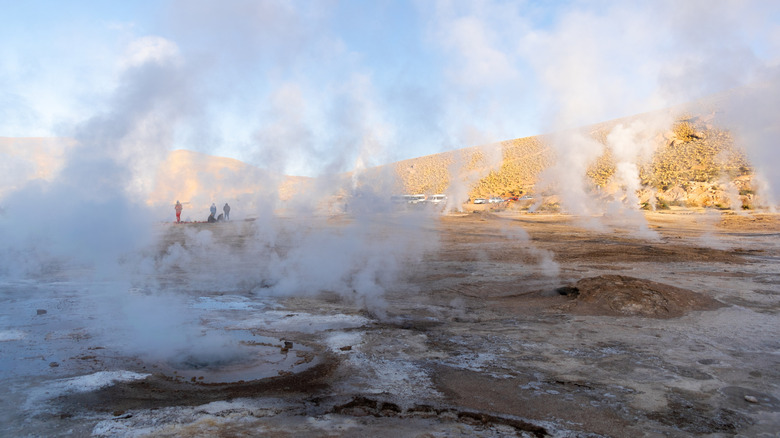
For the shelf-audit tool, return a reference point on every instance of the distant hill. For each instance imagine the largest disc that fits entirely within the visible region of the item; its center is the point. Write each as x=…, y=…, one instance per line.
x=505, y=168
x=194, y=178
x=28, y=158
x=199, y=179
x=694, y=163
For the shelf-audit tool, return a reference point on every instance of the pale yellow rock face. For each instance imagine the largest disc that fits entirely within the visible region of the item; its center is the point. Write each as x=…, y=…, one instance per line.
x=29, y=158
x=198, y=180
x=195, y=179
x=693, y=164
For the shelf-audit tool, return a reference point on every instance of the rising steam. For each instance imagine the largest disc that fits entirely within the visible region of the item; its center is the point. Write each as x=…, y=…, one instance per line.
x=277, y=85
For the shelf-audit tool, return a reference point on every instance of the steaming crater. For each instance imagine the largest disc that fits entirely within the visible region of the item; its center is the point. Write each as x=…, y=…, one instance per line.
x=248, y=357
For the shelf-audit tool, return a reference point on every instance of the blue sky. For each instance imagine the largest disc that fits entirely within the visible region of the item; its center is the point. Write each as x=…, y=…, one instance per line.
x=313, y=87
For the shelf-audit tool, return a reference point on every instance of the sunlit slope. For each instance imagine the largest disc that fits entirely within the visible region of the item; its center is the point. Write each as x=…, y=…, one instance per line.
x=29, y=158
x=193, y=178
x=503, y=168
x=198, y=180
x=694, y=163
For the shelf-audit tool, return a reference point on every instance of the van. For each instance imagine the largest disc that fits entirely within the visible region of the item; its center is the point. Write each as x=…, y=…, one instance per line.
x=435, y=199
x=414, y=199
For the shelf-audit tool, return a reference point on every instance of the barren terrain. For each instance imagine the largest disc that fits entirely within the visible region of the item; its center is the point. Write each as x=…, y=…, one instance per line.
x=513, y=324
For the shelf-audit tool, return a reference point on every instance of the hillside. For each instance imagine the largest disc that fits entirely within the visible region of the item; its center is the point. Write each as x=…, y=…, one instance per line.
x=28, y=158
x=694, y=163
x=198, y=180
x=194, y=178
x=505, y=168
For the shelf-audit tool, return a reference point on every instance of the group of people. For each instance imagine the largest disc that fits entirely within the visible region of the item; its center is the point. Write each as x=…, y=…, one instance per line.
x=224, y=216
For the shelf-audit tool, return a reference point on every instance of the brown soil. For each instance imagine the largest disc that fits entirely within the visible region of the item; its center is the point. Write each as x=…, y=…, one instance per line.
x=626, y=337
x=619, y=295
x=159, y=391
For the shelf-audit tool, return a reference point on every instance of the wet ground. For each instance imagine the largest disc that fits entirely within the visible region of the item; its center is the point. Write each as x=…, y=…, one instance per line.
x=513, y=324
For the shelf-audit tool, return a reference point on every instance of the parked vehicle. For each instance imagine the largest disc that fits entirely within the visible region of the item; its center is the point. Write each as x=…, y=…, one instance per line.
x=414, y=199
x=480, y=201
x=495, y=200
x=436, y=199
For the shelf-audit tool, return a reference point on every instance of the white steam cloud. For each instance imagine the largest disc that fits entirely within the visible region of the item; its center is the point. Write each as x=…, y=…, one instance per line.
x=278, y=85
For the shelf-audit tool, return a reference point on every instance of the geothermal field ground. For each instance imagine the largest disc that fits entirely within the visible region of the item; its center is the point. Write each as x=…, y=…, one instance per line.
x=393, y=218
x=498, y=323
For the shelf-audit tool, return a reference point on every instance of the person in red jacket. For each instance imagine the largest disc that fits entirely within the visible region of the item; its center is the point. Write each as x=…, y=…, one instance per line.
x=178, y=211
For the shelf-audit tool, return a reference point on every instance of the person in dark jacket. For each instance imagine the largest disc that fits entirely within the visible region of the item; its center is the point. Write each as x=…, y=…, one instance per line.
x=226, y=210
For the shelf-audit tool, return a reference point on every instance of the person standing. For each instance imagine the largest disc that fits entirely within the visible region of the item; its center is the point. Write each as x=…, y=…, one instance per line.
x=213, y=210
x=226, y=210
x=178, y=209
